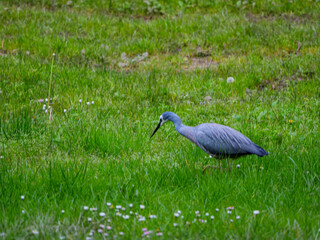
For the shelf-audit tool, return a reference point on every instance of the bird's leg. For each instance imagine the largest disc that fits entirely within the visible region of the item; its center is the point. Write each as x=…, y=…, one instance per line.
x=211, y=166
x=229, y=165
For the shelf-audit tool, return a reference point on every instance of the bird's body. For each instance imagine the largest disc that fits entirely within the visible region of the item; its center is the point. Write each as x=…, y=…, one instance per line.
x=217, y=140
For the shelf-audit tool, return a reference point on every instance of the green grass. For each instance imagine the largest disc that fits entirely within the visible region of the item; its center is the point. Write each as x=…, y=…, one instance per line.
x=101, y=153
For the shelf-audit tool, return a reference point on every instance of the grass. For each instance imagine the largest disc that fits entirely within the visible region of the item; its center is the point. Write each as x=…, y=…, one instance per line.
x=101, y=153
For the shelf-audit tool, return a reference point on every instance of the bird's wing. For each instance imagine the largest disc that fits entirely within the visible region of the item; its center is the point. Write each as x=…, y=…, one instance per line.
x=217, y=139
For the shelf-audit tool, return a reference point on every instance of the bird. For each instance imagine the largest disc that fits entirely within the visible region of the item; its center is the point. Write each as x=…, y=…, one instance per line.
x=219, y=141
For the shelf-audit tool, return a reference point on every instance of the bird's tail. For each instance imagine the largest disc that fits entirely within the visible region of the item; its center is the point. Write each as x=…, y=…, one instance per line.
x=260, y=151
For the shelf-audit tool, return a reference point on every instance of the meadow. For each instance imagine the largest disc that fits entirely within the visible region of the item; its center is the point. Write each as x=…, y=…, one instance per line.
x=82, y=86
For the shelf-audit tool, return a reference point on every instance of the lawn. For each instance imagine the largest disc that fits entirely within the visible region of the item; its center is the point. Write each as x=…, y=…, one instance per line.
x=82, y=87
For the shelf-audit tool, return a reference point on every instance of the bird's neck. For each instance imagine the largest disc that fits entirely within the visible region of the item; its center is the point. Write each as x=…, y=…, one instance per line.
x=185, y=131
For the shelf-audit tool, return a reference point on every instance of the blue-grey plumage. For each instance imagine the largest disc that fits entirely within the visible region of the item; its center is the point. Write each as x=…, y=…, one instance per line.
x=217, y=140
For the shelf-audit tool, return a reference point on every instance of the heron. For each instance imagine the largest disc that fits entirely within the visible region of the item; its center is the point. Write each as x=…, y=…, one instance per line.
x=219, y=141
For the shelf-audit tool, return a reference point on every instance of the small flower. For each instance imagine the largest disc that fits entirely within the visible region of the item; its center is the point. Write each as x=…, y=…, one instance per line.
x=126, y=216
x=22, y=197
x=27, y=52
x=121, y=233
x=144, y=229
x=261, y=168
x=108, y=227
x=46, y=111
x=207, y=214
x=230, y=80
x=212, y=217
x=93, y=209
x=255, y=212
x=159, y=233
x=62, y=211
x=88, y=103
x=238, y=165
x=142, y=206
x=229, y=212
x=85, y=208
x=231, y=220
x=1, y=157
x=108, y=204
x=290, y=121
x=44, y=107
x=217, y=209
x=53, y=54
x=100, y=230
x=89, y=219
x=92, y=102
x=65, y=110
x=196, y=212
x=237, y=217
x=101, y=226
x=106, y=234
x=179, y=211
x=118, y=206
x=46, y=99
x=142, y=219
x=102, y=214
x=176, y=215
x=23, y=212
x=230, y=208
x=175, y=224
x=80, y=100
x=35, y=232
x=83, y=51
x=131, y=212
x=130, y=205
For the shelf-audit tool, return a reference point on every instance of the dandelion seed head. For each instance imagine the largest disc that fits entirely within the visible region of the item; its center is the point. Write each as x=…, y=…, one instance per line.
x=230, y=80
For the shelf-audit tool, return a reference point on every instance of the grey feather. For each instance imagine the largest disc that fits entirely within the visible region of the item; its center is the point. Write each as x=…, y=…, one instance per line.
x=216, y=140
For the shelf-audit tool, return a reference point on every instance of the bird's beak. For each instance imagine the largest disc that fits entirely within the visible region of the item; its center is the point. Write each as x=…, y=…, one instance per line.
x=159, y=125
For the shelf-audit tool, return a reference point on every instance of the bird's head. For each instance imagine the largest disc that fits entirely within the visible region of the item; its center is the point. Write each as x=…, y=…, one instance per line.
x=162, y=120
